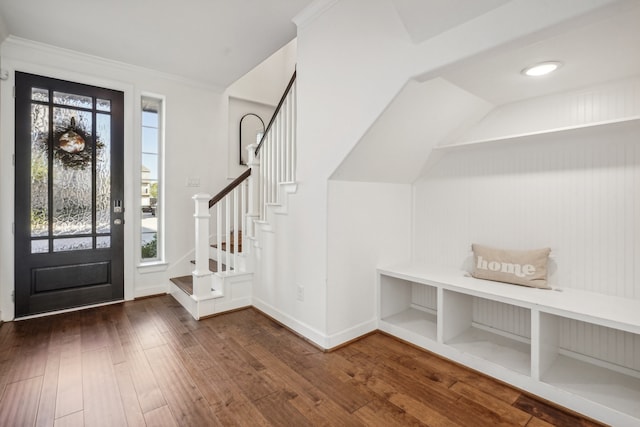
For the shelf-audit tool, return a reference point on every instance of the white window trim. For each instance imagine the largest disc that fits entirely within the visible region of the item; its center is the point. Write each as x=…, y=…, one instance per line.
x=159, y=263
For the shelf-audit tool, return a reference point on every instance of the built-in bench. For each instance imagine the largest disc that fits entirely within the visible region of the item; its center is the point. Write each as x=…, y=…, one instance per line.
x=433, y=307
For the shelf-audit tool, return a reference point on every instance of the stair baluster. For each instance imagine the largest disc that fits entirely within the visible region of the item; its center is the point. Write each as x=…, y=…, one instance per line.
x=246, y=199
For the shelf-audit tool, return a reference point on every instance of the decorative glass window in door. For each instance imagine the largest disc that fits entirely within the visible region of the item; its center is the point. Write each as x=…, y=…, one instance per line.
x=70, y=172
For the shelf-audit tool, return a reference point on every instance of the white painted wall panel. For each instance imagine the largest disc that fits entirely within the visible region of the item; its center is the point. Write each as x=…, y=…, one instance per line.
x=370, y=226
x=508, y=318
x=615, y=346
x=606, y=102
x=424, y=296
x=579, y=195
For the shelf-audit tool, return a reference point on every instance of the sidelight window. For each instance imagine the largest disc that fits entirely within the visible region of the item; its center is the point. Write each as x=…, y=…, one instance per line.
x=151, y=179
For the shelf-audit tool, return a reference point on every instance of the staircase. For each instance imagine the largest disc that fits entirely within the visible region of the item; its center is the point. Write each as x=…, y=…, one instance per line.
x=222, y=277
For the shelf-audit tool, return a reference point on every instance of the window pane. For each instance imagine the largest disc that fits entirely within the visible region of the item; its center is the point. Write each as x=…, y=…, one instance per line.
x=149, y=245
x=72, y=183
x=149, y=178
x=39, y=246
x=103, y=173
x=103, y=105
x=149, y=119
x=103, y=242
x=149, y=167
x=39, y=170
x=149, y=140
x=72, y=100
x=41, y=95
x=75, y=244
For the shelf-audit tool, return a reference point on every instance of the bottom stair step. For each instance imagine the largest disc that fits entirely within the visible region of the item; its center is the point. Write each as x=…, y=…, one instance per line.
x=213, y=266
x=185, y=283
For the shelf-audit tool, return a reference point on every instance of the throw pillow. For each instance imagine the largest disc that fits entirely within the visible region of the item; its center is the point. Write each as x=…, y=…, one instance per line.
x=527, y=268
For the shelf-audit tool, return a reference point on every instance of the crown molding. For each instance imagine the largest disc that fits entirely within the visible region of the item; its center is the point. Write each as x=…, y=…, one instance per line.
x=313, y=12
x=13, y=42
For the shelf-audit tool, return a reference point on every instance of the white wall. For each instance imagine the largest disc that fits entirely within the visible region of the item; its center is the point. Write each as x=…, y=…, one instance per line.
x=195, y=147
x=258, y=91
x=339, y=95
x=354, y=57
x=4, y=261
x=421, y=116
x=576, y=192
x=266, y=83
x=370, y=226
x=4, y=31
x=605, y=102
x=237, y=109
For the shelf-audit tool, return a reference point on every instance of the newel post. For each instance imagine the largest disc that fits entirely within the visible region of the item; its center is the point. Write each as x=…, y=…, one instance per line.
x=202, y=280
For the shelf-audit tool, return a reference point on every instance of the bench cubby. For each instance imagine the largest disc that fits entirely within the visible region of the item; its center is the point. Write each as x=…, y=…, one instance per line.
x=576, y=348
x=462, y=332
x=408, y=310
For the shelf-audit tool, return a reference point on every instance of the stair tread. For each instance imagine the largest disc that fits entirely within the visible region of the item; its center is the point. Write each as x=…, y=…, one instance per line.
x=224, y=247
x=232, y=243
x=185, y=283
x=213, y=265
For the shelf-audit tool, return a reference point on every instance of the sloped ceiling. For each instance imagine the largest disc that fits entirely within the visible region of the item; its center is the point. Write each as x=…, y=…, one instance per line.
x=395, y=148
x=214, y=42
x=606, y=48
x=424, y=19
x=600, y=47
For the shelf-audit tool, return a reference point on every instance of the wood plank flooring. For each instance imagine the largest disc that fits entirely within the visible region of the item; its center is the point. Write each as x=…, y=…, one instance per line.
x=148, y=363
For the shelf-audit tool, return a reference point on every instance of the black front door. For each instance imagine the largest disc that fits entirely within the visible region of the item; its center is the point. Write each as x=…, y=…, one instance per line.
x=69, y=191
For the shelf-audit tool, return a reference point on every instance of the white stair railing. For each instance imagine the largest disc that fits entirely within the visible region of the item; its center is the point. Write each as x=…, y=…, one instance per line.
x=231, y=206
x=271, y=163
x=277, y=150
x=230, y=211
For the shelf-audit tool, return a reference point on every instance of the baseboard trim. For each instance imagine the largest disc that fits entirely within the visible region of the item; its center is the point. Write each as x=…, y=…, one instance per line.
x=149, y=292
x=350, y=335
x=325, y=343
x=307, y=332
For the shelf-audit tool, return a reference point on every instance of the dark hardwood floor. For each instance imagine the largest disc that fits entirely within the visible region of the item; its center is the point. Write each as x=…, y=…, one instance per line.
x=149, y=363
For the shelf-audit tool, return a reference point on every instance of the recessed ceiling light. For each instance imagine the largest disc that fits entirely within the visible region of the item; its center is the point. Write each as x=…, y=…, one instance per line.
x=541, y=69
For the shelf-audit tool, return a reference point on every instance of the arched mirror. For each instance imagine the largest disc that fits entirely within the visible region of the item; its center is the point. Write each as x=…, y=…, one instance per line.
x=251, y=131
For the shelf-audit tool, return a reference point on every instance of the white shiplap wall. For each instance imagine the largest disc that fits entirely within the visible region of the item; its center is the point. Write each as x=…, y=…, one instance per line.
x=577, y=193
x=424, y=296
x=601, y=103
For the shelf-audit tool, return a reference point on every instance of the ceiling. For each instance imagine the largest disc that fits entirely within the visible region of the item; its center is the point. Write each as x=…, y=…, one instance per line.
x=602, y=48
x=424, y=19
x=214, y=42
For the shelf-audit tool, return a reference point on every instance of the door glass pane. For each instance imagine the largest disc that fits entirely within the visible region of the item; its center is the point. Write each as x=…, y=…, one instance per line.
x=103, y=105
x=72, y=164
x=75, y=244
x=103, y=242
x=103, y=173
x=39, y=246
x=39, y=170
x=38, y=94
x=72, y=100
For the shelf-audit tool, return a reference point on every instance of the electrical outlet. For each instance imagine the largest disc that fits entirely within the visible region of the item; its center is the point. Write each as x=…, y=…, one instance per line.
x=300, y=296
